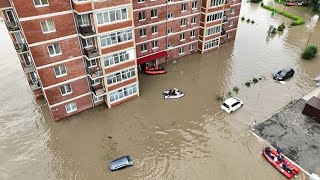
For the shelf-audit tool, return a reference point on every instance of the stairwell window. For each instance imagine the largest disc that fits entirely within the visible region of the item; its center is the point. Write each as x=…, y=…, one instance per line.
x=71, y=107
x=54, y=50
x=143, y=32
x=183, y=7
x=60, y=71
x=47, y=26
x=154, y=13
x=154, y=29
x=91, y=63
x=83, y=20
x=66, y=89
x=87, y=42
x=41, y=3
x=142, y=16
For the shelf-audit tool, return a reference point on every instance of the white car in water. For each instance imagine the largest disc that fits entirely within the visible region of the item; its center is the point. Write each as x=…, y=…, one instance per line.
x=231, y=104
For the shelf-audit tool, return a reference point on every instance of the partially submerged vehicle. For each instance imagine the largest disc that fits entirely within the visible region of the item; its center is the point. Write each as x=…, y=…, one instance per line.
x=121, y=163
x=283, y=74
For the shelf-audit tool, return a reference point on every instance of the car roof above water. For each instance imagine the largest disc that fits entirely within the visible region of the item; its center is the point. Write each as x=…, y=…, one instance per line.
x=287, y=69
x=119, y=162
x=231, y=101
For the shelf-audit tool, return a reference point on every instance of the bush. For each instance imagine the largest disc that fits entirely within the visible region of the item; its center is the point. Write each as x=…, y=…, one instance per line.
x=252, y=21
x=243, y=18
x=274, y=31
x=297, y=20
x=219, y=97
x=247, y=84
x=248, y=20
x=309, y=52
x=255, y=80
x=229, y=94
x=235, y=89
x=281, y=27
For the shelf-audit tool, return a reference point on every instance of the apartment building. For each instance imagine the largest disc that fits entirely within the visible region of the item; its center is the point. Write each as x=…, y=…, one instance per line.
x=78, y=54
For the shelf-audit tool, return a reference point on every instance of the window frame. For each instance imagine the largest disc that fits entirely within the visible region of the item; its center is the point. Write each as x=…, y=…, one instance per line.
x=71, y=109
x=145, y=49
x=193, y=20
x=155, y=13
x=155, y=27
x=182, y=36
x=50, y=31
x=67, y=93
x=61, y=75
x=56, y=54
x=154, y=44
x=192, y=34
x=143, y=30
x=194, y=7
x=143, y=15
x=39, y=6
x=183, y=7
x=181, y=50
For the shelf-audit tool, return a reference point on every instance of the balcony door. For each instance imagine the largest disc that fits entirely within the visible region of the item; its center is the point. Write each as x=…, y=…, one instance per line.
x=33, y=76
x=27, y=58
x=11, y=16
x=19, y=38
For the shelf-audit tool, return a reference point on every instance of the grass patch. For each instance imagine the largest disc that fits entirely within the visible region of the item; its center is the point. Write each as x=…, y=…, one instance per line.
x=297, y=19
x=219, y=98
x=229, y=94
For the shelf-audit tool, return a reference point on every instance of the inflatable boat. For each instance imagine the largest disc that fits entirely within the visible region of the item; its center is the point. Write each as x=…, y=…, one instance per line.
x=153, y=71
x=289, y=171
x=169, y=95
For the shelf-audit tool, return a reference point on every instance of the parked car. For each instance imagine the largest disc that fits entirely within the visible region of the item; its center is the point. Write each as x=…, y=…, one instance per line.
x=302, y=3
x=283, y=74
x=231, y=104
x=290, y=4
x=121, y=163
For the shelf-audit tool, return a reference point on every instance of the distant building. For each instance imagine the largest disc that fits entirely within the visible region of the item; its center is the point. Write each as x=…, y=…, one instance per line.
x=81, y=53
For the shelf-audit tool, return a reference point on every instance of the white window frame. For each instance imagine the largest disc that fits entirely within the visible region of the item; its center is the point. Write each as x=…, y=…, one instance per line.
x=143, y=15
x=60, y=75
x=143, y=49
x=106, y=16
x=154, y=29
x=155, y=13
x=170, y=16
x=97, y=99
x=170, y=31
x=184, y=7
x=91, y=65
x=113, y=38
x=181, y=50
x=230, y=23
x=211, y=43
x=182, y=36
x=214, y=16
x=194, y=20
x=214, y=3
x=49, y=31
x=154, y=44
x=122, y=93
x=95, y=82
x=82, y=19
x=191, y=47
x=118, y=57
x=71, y=107
x=170, y=46
x=54, y=49
x=144, y=30
x=86, y=43
x=233, y=10
x=65, y=89
x=183, y=22
x=192, y=34
x=120, y=76
x=39, y=6
x=141, y=1
x=194, y=5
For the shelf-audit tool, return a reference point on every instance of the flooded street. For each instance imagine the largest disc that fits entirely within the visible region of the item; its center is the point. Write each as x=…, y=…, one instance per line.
x=189, y=138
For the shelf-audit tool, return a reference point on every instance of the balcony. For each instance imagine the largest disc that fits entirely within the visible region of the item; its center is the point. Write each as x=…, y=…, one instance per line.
x=29, y=68
x=95, y=73
x=86, y=30
x=91, y=53
x=20, y=47
x=98, y=91
x=35, y=84
x=225, y=19
x=12, y=26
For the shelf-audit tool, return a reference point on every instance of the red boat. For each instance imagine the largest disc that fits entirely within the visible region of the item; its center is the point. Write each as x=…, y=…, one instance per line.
x=289, y=171
x=153, y=71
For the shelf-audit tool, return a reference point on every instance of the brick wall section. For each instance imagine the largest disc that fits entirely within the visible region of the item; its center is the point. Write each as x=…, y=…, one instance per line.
x=174, y=53
x=162, y=46
x=4, y=3
x=118, y=47
x=175, y=39
x=74, y=69
x=147, y=3
x=119, y=67
x=38, y=93
x=26, y=8
x=64, y=25
x=109, y=3
x=83, y=103
x=162, y=31
x=122, y=84
x=78, y=87
x=162, y=15
x=114, y=26
x=124, y=100
x=82, y=7
x=41, y=56
x=176, y=24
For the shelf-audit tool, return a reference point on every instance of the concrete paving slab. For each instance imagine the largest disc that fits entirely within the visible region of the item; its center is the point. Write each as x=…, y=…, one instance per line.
x=297, y=134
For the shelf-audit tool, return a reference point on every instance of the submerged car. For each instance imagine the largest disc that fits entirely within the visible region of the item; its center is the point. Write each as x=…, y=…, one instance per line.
x=121, y=163
x=283, y=74
x=231, y=104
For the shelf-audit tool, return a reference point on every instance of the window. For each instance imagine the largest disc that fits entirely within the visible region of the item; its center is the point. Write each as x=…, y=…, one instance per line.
x=216, y=2
x=214, y=16
x=122, y=93
x=39, y=3
x=65, y=90
x=194, y=5
x=184, y=7
x=142, y=16
x=213, y=30
x=181, y=50
x=193, y=20
x=154, y=29
x=54, y=50
x=230, y=23
x=97, y=99
x=87, y=42
x=83, y=20
x=71, y=107
x=170, y=46
x=143, y=47
x=112, y=16
x=47, y=26
x=121, y=76
x=211, y=44
x=183, y=22
x=95, y=82
x=143, y=32
x=141, y=1
x=192, y=34
x=182, y=37
x=154, y=44
x=119, y=57
x=91, y=63
x=170, y=31
x=169, y=1
x=154, y=13
x=170, y=16
x=191, y=47
x=233, y=10
x=60, y=71
x=115, y=38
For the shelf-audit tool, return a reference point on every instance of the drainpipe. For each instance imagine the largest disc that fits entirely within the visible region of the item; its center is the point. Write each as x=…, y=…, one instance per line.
x=167, y=38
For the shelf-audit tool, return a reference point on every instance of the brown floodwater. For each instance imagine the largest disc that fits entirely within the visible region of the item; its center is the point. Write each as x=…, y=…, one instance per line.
x=189, y=138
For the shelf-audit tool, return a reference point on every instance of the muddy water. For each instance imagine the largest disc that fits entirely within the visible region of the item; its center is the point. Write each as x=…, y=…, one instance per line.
x=189, y=138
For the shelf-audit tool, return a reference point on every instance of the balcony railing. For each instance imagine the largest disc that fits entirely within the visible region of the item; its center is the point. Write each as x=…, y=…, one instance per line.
x=34, y=84
x=12, y=26
x=29, y=68
x=86, y=30
x=20, y=47
x=98, y=91
x=91, y=53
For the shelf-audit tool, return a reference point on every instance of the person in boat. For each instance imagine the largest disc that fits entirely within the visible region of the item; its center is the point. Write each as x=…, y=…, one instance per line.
x=268, y=152
x=280, y=158
x=279, y=150
x=286, y=167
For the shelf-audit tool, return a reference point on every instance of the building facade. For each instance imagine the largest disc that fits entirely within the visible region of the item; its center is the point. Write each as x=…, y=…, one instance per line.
x=78, y=54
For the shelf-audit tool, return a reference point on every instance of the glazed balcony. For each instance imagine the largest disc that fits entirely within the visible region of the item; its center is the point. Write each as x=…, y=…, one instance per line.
x=91, y=53
x=86, y=30
x=98, y=91
x=94, y=73
x=20, y=47
x=12, y=26
x=223, y=32
x=35, y=84
x=29, y=68
x=225, y=19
